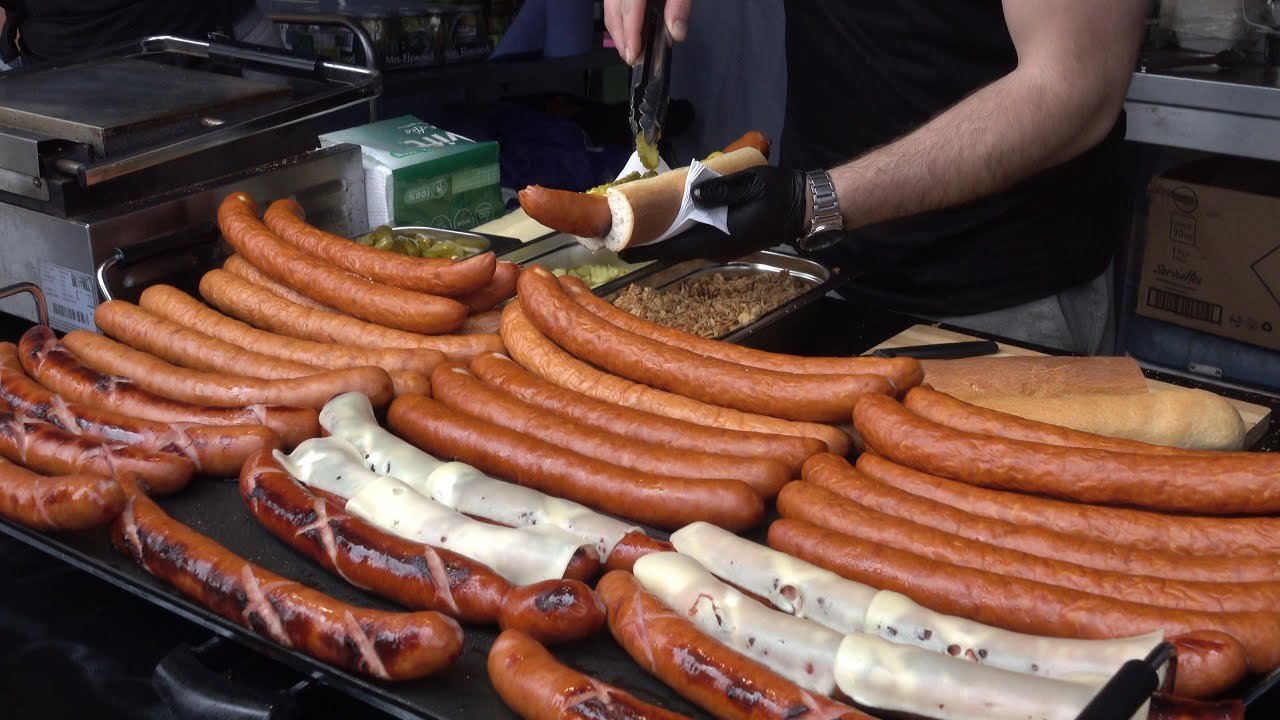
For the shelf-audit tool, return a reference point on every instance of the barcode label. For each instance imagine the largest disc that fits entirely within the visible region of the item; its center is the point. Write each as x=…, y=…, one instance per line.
x=71, y=296
x=1184, y=306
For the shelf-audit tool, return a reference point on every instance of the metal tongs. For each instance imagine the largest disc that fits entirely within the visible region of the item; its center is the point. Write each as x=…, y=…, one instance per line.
x=651, y=82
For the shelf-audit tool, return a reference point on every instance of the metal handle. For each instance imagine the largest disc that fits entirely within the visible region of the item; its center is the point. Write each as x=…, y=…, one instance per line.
x=42, y=309
x=195, y=692
x=128, y=255
x=1132, y=685
x=371, y=60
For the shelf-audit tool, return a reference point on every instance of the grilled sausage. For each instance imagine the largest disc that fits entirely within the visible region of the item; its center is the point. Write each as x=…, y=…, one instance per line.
x=833, y=474
x=313, y=391
x=245, y=270
x=64, y=502
x=501, y=287
x=1221, y=484
x=458, y=389
x=553, y=611
x=632, y=547
x=174, y=305
x=644, y=427
x=537, y=687
x=700, y=668
x=566, y=211
x=264, y=310
x=367, y=300
x=49, y=363
x=826, y=398
x=1182, y=534
x=817, y=505
x=216, y=451
x=663, y=502
x=1021, y=605
x=177, y=344
x=487, y=322
x=903, y=373
x=434, y=276
x=378, y=644
x=529, y=347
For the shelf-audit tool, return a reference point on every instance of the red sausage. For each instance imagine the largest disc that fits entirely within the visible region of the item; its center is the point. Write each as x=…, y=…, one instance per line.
x=700, y=668
x=1021, y=605
x=245, y=270
x=378, y=644
x=434, y=276
x=341, y=290
x=553, y=611
x=663, y=502
x=64, y=502
x=1223, y=483
x=501, y=287
x=262, y=309
x=217, y=451
x=822, y=398
x=453, y=386
x=537, y=687
x=633, y=546
x=836, y=476
x=1183, y=534
x=50, y=364
x=646, y=427
x=565, y=211
x=902, y=372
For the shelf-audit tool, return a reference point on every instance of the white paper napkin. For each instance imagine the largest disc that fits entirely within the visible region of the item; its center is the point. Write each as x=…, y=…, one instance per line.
x=690, y=214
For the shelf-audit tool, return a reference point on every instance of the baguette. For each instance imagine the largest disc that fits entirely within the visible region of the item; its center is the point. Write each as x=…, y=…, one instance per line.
x=1036, y=376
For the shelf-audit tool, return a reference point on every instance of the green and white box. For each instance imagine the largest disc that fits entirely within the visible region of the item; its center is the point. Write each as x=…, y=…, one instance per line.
x=417, y=174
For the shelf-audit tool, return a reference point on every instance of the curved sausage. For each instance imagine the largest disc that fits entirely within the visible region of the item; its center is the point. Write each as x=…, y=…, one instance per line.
x=383, y=645
x=217, y=451
x=244, y=270
x=489, y=321
x=959, y=415
x=264, y=310
x=1017, y=604
x=835, y=475
x=537, y=687
x=662, y=502
x=1207, y=661
x=434, y=276
x=645, y=427
x=701, y=668
x=415, y=575
x=196, y=350
x=51, y=450
x=553, y=611
x=566, y=211
x=456, y=388
x=529, y=347
x=1222, y=484
x=174, y=305
x=828, y=398
x=632, y=547
x=903, y=373
x=751, y=138
x=501, y=287
x=147, y=371
x=1139, y=529
x=54, y=504
x=341, y=290
x=821, y=507
x=49, y=363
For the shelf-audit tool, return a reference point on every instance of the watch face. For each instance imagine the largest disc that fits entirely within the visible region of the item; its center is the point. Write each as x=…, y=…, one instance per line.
x=821, y=239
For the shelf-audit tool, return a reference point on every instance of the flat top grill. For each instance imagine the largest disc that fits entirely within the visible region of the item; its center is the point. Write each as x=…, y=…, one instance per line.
x=86, y=102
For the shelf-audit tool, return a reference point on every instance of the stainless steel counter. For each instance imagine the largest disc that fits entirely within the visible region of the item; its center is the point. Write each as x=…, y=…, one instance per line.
x=1233, y=112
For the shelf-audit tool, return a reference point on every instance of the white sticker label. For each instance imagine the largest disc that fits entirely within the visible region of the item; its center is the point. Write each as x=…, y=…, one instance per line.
x=71, y=296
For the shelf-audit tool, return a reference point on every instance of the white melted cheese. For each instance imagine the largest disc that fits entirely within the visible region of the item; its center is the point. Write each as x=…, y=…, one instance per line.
x=884, y=675
x=804, y=652
x=897, y=618
x=460, y=486
x=791, y=584
x=521, y=555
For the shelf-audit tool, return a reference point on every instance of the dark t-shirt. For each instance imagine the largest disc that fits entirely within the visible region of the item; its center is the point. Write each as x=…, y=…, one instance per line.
x=863, y=73
x=61, y=30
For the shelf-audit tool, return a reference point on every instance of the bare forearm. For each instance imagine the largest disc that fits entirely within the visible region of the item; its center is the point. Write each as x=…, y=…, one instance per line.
x=1003, y=133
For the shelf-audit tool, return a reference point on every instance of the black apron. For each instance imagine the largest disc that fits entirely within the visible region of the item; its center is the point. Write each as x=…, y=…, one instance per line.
x=862, y=73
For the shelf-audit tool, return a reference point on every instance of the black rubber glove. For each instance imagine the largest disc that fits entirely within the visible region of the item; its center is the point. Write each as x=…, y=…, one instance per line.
x=766, y=208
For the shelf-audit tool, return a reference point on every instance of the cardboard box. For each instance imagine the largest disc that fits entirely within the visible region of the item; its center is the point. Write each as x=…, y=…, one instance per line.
x=1212, y=259
x=418, y=174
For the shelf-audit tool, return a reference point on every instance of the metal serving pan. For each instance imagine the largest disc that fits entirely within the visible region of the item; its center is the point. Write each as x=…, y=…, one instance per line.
x=563, y=251
x=821, y=280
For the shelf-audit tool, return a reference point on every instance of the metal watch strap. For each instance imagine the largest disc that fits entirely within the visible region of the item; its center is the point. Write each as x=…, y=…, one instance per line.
x=827, y=221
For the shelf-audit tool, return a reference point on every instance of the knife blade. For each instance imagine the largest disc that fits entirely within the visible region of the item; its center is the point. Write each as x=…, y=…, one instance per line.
x=651, y=84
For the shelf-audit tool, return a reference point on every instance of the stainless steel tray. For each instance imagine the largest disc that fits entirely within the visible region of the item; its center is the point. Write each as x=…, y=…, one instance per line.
x=563, y=251
x=820, y=278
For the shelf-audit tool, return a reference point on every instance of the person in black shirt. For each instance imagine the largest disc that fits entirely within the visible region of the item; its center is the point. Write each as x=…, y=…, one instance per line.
x=973, y=148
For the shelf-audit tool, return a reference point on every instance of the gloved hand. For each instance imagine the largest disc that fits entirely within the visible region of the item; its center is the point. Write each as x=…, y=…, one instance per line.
x=767, y=207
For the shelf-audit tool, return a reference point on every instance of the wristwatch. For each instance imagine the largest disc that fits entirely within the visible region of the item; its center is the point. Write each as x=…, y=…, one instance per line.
x=827, y=223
